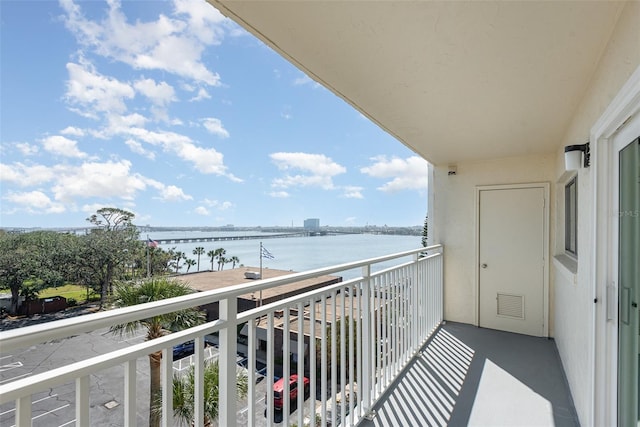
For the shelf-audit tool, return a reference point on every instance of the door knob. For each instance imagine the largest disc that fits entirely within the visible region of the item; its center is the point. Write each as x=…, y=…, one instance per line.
x=634, y=304
x=484, y=265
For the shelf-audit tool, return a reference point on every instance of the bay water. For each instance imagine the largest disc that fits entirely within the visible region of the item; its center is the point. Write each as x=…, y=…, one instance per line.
x=291, y=253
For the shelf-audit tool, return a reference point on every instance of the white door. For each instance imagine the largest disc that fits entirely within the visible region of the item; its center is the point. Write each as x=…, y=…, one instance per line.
x=512, y=242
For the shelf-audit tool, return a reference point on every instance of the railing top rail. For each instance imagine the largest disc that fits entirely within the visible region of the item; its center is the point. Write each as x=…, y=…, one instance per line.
x=21, y=387
x=31, y=335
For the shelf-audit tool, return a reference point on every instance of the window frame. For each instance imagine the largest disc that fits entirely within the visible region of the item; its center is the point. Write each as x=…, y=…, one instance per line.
x=571, y=217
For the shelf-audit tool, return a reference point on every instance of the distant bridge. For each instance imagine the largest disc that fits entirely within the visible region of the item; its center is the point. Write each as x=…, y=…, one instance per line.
x=175, y=240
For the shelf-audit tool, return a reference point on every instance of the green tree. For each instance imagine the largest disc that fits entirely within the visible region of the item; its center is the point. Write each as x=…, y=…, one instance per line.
x=212, y=255
x=220, y=253
x=190, y=263
x=425, y=231
x=198, y=251
x=109, y=245
x=35, y=259
x=179, y=256
x=338, y=337
x=184, y=394
x=155, y=289
x=159, y=261
x=234, y=260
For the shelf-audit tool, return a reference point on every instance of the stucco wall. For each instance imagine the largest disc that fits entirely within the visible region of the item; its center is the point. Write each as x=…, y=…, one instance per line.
x=574, y=294
x=456, y=215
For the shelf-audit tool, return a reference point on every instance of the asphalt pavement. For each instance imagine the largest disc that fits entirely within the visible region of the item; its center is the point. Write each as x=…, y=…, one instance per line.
x=56, y=406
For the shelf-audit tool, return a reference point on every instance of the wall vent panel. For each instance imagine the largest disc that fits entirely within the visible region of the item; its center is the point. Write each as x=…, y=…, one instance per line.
x=511, y=306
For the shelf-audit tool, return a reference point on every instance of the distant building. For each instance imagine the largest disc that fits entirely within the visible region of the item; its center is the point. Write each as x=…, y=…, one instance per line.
x=312, y=224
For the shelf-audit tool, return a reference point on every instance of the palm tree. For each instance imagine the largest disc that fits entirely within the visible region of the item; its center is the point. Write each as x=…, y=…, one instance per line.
x=155, y=289
x=190, y=263
x=179, y=257
x=234, y=260
x=220, y=252
x=198, y=251
x=212, y=254
x=184, y=394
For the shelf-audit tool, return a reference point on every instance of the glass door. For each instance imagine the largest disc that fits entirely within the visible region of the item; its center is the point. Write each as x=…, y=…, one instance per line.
x=629, y=285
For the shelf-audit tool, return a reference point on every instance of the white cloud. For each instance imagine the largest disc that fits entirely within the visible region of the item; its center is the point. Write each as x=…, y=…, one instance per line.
x=73, y=131
x=406, y=174
x=137, y=148
x=217, y=204
x=319, y=170
x=160, y=94
x=350, y=220
x=202, y=94
x=201, y=210
x=93, y=179
x=279, y=194
x=352, y=192
x=35, y=202
x=27, y=149
x=286, y=112
x=168, y=44
x=214, y=126
x=171, y=193
x=28, y=175
x=62, y=146
x=204, y=20
x=90, y=93
x=205, y=160
x=92, y=208
x=305, y=80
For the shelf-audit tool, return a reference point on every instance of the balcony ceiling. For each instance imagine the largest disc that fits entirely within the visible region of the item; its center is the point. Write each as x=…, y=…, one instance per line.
x=453, y=81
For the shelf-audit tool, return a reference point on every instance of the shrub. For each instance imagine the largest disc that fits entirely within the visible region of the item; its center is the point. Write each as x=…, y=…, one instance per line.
x=71, y=302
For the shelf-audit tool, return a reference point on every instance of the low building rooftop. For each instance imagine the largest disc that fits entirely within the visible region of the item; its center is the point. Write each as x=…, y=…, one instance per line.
x=210, y=280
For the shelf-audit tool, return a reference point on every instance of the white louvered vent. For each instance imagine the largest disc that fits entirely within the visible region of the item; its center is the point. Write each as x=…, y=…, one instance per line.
x=511, y=306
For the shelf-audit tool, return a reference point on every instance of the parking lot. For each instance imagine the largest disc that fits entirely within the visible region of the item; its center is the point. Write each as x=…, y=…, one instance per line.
x=56, y=406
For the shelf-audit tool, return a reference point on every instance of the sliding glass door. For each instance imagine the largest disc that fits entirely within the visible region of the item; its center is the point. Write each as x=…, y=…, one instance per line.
x=629, y=285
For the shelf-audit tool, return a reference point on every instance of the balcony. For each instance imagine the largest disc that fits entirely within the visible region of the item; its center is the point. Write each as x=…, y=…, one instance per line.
x=399, y=365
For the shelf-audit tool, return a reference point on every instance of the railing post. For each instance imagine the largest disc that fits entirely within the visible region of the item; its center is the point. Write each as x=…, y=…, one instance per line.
x=166, y=366
x=366, y=337
x=227, y=387
x=415, y=305
x=82, y=401
x=130, y=393
x=23, y=411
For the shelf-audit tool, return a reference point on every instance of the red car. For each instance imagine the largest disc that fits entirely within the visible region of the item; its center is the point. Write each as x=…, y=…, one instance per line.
x=278, y=390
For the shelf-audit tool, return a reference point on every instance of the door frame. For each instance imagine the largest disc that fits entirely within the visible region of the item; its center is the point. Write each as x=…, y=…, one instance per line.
x=545, y=264
x=604, y=344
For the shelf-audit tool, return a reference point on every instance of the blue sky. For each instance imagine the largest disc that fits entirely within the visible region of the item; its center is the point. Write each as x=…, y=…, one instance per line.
x=173, y=112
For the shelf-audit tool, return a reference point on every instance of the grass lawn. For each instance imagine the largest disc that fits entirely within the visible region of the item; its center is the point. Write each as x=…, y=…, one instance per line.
x=79, y=293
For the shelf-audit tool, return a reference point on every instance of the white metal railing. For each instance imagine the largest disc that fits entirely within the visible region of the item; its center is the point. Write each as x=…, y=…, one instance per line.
x=350, y=338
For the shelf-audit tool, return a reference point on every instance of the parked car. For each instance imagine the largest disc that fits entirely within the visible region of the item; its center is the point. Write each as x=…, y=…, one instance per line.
x=185, y=349
x=278, y=390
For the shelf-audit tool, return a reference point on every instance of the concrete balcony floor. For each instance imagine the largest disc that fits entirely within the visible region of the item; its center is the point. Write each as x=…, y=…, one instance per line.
x=479, y=377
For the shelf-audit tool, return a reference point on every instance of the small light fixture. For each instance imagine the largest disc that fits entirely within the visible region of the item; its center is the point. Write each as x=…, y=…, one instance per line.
x=453, y=169
x=573, y=156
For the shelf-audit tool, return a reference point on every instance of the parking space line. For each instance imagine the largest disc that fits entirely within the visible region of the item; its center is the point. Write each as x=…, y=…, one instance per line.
x=243, y=411
x=66, y=424
x=10, y=366
x=47, y=413
x=35, y=401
